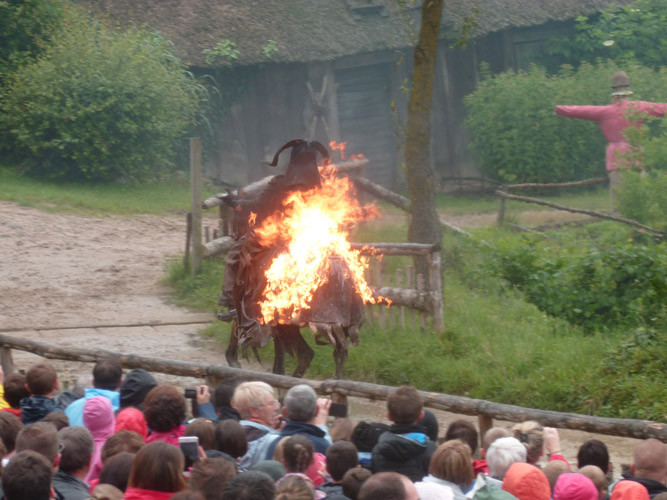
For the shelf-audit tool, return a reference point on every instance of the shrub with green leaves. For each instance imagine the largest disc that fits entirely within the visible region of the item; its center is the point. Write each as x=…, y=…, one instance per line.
x=99, y=104
x=516, y=135
x=592, y=287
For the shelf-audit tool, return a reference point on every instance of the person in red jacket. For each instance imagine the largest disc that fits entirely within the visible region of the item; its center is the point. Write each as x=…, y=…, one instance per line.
x=614, y=118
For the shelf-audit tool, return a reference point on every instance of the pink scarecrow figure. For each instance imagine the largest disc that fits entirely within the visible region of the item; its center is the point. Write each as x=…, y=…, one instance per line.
x=613, y=119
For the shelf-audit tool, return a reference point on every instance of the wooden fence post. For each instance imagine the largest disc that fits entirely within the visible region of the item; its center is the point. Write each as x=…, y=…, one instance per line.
x=6, y=360
x=196, y=188
x=501, y=213
x=435, y=260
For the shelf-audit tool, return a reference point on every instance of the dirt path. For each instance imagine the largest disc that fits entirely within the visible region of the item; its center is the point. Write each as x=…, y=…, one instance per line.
x=66, y=270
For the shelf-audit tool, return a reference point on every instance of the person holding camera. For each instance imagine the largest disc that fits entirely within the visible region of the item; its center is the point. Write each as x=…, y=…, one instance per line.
x=307, y=415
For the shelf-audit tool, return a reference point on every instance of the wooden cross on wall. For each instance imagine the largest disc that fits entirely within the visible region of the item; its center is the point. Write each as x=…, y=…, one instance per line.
x=320, y=105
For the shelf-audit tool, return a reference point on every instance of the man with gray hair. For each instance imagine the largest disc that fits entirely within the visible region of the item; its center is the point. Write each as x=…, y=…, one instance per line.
x=307, y=415
x=502, y=454
x=260, y=416
x=77, y=449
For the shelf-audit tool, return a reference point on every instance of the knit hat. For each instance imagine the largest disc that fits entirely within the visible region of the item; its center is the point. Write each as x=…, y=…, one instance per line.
x=573, y=486
x=135, y=387
x=430, y=425
x=271, y=467
x=526, y=482
x=629, y=490
x=365, y=436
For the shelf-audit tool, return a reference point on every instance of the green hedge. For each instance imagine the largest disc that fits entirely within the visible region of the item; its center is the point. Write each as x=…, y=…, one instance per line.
x=595, y=287
x=516, y=135
x=99, y=104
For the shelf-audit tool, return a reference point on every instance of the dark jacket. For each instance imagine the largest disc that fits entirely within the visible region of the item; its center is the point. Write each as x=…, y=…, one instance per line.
x=653, y=487
x=227, y=412
x=316, y=435
x=334, y=491
x=35, y=408
x=404, y=449
x=69, y=487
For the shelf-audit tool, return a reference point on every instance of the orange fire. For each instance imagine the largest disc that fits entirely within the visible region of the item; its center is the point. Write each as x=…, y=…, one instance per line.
x=313, y=226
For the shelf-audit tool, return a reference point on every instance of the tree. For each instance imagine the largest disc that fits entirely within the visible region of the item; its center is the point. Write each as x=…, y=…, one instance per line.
x=424, y=225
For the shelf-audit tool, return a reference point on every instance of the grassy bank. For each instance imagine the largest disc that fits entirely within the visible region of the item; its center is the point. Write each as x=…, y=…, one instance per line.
x=97, y=199
x=496, y=347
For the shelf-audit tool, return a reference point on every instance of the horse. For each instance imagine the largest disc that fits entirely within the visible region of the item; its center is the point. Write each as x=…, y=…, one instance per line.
x=335, y=316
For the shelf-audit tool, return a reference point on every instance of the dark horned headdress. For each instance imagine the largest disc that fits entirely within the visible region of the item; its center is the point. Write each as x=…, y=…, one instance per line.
x=302, y=169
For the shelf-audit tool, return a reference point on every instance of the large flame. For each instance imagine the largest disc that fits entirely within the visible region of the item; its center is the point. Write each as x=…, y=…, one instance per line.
x=312, y=226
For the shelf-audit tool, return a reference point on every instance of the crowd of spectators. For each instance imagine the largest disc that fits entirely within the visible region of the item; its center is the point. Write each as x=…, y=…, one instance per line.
x=116, y=437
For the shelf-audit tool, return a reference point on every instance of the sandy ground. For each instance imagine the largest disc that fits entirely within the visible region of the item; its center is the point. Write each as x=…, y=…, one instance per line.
x=61, y=271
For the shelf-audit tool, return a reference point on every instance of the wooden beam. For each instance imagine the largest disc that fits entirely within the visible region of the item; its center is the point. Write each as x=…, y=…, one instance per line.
x=394, y=248
x=580, y=211
x=217, y=246
x=639, y=429
x=196, y=189
x=410, y=297
x=346, y=167
x=533, y=185
x=398, y=200
x=208, y=319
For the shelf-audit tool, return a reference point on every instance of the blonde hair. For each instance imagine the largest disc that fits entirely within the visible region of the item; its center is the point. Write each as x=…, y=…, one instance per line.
x=294, y=488
x=250, y=395
x=531, y=435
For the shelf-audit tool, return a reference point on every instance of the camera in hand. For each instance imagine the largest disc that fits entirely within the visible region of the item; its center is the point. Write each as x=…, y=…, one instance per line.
x=190, y=393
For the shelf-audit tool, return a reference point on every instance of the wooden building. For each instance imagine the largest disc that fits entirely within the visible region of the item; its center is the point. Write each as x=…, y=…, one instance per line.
x=360, y=50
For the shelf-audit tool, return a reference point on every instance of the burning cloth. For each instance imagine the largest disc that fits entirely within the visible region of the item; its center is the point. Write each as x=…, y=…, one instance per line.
x=292, y=263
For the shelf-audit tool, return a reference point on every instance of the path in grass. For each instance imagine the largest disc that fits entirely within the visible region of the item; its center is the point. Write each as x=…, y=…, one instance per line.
x=70, y=270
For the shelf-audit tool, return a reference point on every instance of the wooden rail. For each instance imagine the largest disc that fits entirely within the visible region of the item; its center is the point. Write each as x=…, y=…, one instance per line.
x=639, y=429
x=592, y=213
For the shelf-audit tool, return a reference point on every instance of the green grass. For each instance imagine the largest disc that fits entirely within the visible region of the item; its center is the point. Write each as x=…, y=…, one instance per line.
x=496, y=346
x=593, y=199
x=97, y=199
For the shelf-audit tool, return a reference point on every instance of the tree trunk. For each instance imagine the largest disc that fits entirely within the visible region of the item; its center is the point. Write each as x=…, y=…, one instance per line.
x=424, y=225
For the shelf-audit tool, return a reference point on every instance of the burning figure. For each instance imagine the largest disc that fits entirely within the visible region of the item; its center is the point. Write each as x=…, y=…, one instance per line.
x=292, y=265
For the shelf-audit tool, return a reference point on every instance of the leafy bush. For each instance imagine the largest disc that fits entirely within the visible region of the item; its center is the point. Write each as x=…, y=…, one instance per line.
x=25, y=26
x=642, y=195
x=518, y=138
x=637, y=31
x=593, y=287
x=99, y=103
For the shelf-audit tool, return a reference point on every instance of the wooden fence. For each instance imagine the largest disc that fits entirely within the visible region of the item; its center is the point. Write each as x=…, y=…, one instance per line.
x=503, y=194
x=486, y=411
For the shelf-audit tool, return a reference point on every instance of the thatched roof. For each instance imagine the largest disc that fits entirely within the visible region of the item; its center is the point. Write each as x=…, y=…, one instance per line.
x=320, y=30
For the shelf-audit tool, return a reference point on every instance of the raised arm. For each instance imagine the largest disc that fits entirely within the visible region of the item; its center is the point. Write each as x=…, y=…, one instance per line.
x=592, y=113
x=653, y=108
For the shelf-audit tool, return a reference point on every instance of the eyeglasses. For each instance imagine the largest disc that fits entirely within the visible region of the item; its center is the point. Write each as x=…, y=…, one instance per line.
x=273, y=404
